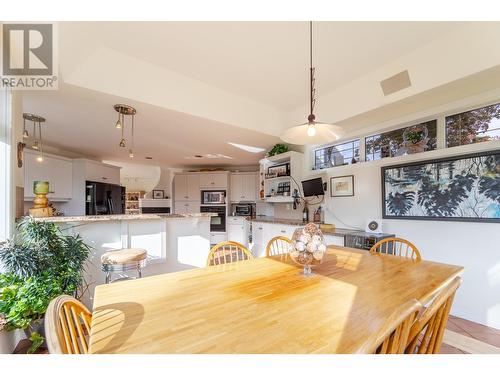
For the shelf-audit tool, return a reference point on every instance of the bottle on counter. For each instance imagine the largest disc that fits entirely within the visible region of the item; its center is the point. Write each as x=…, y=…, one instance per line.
x=305, y=214
x=317, y=215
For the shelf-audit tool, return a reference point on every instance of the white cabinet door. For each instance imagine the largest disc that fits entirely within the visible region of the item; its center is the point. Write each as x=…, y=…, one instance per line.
x=249, y=193
x=192, y=207
x=99, y=172
x=180, y=187
x=185, y=207
x=334, y=240
x=213, y=180
x=57, y=171
x=236, y=232
x=236, y=187
x=216, y=238
x=258, y=248
x=193, y=187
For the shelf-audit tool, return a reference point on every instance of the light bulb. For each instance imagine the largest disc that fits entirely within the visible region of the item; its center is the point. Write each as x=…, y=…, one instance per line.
x=311, y=130
x=118, y=125
x=130, y=154
x=122, y=142
x=35, y=145
x=39, y=158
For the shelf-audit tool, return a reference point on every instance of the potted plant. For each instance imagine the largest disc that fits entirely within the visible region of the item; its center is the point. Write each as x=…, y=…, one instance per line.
x=39, y=263
x=278, y=148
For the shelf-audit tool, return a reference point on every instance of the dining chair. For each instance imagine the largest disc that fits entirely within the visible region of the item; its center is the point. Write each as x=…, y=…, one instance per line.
x=278, y=245
x=397, y=246
x=228, y=252
x=426, y=334
x=67, y=326
x=392, y=337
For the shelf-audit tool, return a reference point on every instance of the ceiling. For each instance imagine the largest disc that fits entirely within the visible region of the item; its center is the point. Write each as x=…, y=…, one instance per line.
x=265, y=63
x=83, y=121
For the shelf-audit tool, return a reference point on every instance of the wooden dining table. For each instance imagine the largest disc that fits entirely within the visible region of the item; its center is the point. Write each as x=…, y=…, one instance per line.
x=263, y=305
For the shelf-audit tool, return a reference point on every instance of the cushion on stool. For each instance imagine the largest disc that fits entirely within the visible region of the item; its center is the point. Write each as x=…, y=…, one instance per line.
x=123, y=256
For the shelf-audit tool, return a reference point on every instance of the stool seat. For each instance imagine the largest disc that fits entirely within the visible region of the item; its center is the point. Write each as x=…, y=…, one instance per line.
x=123, y=256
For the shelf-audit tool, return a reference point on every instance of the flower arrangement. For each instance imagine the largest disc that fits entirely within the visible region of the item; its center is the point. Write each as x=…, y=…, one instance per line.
x=308, y=246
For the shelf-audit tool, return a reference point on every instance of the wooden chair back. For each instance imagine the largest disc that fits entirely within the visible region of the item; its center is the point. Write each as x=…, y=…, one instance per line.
x=67, y=326
x=228, y=252
x=392, y=337
x=426, y=334
x=396, y=246
x=278, y=245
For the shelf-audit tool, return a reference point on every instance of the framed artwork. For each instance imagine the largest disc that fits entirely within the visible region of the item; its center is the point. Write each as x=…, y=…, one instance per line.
x=342, y=186
x=158, y=194
x=460, y=188
x=279, y=170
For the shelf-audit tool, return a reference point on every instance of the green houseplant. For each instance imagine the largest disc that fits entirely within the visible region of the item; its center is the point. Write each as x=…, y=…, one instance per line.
x=40, y=263
x=278, y=148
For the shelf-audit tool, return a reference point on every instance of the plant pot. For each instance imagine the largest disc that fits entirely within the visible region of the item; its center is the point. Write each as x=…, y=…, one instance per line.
x=37, y=326
x=10, y=339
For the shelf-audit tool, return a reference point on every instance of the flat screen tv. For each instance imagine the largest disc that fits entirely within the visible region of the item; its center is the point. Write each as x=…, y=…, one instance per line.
x=313, y=187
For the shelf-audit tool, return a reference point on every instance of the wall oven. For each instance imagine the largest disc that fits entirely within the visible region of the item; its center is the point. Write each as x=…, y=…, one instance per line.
x=217, y=223
x=213, y=197
x=245, y=209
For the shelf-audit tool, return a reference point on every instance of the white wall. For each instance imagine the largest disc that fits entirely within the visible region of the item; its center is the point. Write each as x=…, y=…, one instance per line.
x=475, y=246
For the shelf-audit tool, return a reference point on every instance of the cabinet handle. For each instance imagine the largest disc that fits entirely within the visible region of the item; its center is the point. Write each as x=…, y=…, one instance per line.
x=260, y=228
x=186, y=197
x=283, y=231
x=104, y=178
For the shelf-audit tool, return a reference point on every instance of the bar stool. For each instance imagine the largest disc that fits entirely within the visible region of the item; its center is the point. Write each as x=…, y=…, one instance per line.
x=123, y=260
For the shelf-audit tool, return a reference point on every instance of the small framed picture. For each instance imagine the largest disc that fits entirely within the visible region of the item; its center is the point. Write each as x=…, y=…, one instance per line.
x=158, y=194
x=279, y=170
x=342, y=186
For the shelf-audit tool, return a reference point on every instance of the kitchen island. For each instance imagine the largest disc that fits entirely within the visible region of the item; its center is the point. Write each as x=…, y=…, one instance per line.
x=174, y=242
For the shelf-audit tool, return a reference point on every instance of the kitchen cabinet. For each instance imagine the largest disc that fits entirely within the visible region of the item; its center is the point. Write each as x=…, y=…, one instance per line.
x=187, y=187
x=258, y=248
x=216, y=238
x=185, y=207
x=100, y=172
x=243, y=187
x=58, y=171
x=213, y=180
x=334, y=240
x=237, y=229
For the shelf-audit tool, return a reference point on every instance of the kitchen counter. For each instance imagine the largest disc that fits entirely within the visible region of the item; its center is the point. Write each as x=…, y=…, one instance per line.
x=94, y=218
x=339, y=232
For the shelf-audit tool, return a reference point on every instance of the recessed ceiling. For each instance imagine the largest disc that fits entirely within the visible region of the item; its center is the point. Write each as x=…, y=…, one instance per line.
x=83, y=121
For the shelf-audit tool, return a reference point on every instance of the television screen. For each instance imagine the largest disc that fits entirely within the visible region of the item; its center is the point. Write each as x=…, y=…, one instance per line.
x=313, y=187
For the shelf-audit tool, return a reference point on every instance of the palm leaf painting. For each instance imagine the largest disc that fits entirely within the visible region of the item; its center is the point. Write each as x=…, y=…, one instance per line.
x=465, y=188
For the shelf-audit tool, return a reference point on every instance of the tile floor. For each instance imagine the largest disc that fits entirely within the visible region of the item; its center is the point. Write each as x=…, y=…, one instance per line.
x=484, y=339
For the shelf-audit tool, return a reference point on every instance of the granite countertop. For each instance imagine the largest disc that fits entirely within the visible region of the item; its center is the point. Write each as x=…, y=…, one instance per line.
x=94, y=218
x=340, y=232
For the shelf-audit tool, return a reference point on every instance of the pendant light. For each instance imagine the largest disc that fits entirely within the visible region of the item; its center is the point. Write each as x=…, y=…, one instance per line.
x=312, y=132
x=125, y=110
x=37, y=140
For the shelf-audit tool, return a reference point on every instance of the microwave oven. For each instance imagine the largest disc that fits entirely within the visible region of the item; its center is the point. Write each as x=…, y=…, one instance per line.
x=213, y=197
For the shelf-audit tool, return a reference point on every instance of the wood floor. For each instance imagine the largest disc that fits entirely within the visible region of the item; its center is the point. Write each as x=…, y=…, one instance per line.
x=461, y=337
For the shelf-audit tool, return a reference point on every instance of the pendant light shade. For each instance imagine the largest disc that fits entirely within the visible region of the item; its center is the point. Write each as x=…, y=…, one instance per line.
x=307, y=134
x=312, y=132
x=37, y=139
x=125, y=110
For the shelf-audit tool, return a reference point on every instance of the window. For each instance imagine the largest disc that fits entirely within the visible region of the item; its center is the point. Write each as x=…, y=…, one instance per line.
x=341, y=154
x=5, y=108
x=410, y=140
x=478, y=125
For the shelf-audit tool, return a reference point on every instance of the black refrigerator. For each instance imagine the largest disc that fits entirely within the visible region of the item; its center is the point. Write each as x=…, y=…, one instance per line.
x=104, y=199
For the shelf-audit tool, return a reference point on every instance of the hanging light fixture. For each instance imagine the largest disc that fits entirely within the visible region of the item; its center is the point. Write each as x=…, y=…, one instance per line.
x=125, y=110
x=312, y=132
x=37, y=140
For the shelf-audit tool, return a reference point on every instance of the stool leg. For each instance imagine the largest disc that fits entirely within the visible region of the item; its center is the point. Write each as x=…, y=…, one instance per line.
x=139, y=271
x=108, y=277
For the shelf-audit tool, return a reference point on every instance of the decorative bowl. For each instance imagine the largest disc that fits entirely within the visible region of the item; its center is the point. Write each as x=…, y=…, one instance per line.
x=308, y=247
